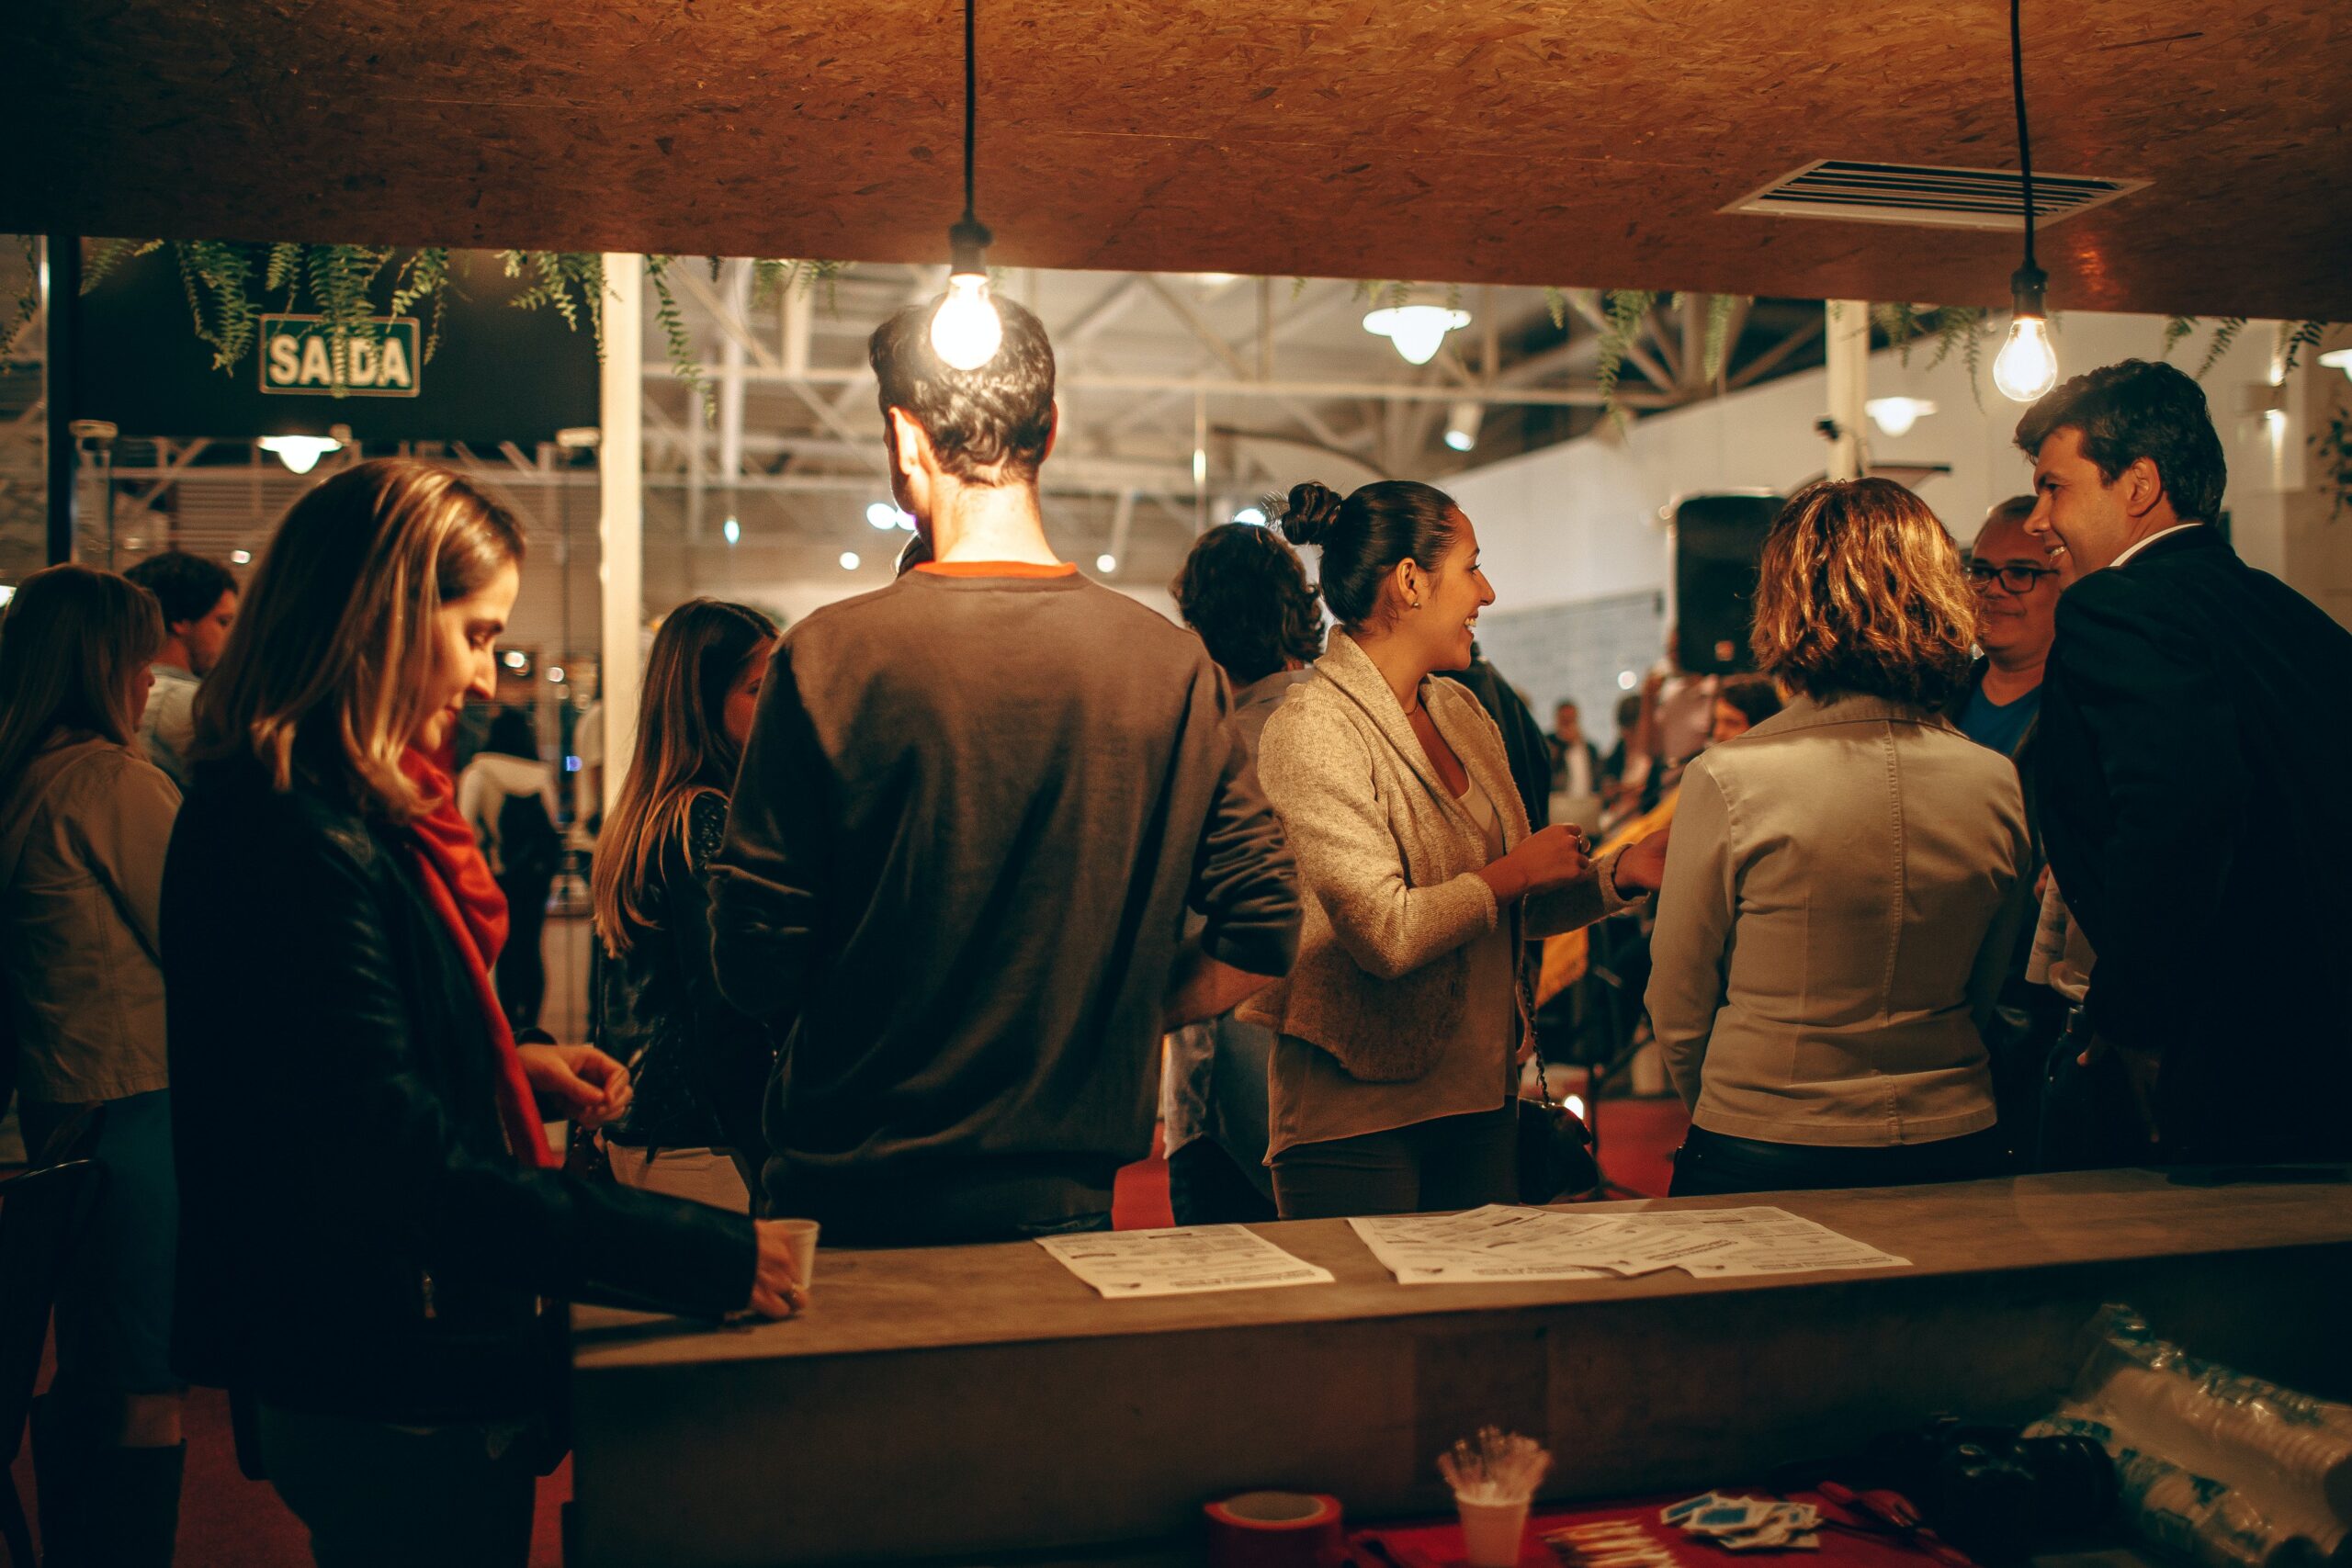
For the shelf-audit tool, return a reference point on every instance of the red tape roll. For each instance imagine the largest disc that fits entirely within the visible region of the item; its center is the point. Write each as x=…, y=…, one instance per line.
x=1276, y=1529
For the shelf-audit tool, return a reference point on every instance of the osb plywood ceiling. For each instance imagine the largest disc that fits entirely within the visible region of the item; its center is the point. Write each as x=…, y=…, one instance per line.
x=1570, y=141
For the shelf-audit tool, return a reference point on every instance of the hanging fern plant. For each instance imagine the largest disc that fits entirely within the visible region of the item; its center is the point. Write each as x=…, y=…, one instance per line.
x=2294, y=338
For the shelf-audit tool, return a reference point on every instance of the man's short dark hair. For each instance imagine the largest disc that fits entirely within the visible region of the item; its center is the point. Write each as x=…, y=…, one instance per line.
x=188, y=585
x=1000, y=416
x=2133, y=410
x=1243, y=590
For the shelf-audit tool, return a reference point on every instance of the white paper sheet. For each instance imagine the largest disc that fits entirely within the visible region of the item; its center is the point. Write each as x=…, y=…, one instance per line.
x=1184, y=1260
x=1502, y=1243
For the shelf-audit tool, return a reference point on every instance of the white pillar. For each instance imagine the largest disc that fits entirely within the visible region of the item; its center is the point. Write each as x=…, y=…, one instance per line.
x=620, y=520
x=1850, y=365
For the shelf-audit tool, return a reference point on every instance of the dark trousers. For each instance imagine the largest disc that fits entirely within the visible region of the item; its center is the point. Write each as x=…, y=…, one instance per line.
x=1452, y=1162
x=375, y=1497
x=1205, y=1187
x=522, y=972
x=1710, y=1163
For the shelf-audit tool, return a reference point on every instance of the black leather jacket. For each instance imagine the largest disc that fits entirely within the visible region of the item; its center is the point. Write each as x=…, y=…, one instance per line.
x=355, y=1238
x=701, y=1067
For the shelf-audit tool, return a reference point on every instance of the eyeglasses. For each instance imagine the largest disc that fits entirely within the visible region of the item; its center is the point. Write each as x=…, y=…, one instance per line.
x=2015, y=579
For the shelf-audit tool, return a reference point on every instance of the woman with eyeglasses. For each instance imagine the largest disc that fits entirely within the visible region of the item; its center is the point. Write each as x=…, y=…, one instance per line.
x=1833, y=927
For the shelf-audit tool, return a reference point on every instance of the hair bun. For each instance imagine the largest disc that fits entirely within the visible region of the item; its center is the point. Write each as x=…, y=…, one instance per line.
x=1313, y=508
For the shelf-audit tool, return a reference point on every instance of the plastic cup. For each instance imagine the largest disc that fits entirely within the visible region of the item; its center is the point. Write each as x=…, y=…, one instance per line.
x=800, y=1237
x=1492, y=1532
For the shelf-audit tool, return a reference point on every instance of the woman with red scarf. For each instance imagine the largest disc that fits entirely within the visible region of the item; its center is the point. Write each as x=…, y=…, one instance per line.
x=373, y=1227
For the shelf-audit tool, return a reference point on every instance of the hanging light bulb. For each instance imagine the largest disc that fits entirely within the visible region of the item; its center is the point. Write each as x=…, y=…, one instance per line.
x=1461, y=424
x=1418, y=331
x=965, y=331
x=2027, y=366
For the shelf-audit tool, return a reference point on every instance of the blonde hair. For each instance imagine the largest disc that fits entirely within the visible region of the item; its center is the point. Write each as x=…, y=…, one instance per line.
x=322, y=681
x=683, y=750
x=1859, y=591
x=71, y=643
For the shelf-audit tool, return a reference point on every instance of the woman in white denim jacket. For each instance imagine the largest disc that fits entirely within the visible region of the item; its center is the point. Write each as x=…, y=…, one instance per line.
x=1400, y=1028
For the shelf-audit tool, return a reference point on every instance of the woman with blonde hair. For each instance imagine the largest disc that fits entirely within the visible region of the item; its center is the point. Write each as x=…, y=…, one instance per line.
x=1832, y=926
x=700, y=1066
x=84, y=821
x=371, y=1217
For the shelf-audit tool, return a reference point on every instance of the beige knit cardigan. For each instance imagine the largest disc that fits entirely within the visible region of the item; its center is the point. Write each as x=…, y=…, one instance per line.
x=1391, y=857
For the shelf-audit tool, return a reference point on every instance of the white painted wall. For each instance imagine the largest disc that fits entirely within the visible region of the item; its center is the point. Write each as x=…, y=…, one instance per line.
x=1581, y=520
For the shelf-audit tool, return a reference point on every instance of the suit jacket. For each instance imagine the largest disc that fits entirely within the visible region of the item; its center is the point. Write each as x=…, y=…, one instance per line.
x=2192, y=763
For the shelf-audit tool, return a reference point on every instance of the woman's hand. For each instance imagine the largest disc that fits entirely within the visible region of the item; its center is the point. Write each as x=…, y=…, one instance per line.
x=1541, y=862
x=578, y=1081
x=775, y=1291
x=1642, y=865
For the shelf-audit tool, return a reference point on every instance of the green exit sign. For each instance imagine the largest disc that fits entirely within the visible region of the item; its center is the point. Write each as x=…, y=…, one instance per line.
x=299, y=354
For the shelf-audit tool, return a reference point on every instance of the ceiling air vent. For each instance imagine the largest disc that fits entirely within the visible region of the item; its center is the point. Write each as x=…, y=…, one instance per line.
x=1917, y=193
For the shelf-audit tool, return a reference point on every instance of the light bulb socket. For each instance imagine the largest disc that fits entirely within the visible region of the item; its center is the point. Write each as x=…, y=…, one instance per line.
x=2027, y=289
x=968, y=243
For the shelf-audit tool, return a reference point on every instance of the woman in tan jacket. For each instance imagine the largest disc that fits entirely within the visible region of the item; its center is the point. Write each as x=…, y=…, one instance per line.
x=1833, y=926
x=84, y=821
x=1400, y=1028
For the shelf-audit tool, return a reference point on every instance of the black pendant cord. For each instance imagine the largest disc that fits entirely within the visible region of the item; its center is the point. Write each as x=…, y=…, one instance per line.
x=2025, y=145
x=972, y=98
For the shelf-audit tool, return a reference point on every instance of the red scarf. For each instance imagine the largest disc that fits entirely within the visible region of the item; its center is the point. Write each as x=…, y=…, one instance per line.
x=467, y=898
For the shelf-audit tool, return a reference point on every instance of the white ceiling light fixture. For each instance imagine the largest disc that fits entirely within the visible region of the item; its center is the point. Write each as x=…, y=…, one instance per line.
x=732, y=530
x=851, y=561
x=2338, y=359
x=300, y=454
x=1461, y=424
x=2027, y=366
x=1896, y=416
x=1106, y=563
x=1254, y=516
x=1418, y=331
x=884, y=516
x=965, y=331
x=240, y=558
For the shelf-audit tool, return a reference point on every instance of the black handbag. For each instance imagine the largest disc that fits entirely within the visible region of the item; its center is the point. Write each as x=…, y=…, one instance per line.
x=1555, y=1158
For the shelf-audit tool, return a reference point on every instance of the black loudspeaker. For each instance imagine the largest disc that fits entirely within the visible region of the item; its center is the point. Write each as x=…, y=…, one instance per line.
x=1718, y=540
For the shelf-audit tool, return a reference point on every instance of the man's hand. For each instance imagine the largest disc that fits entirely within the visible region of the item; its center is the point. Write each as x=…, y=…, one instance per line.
x=1641, y=866
x=1201, y=989
x=775, y=1292
x=577, y=1082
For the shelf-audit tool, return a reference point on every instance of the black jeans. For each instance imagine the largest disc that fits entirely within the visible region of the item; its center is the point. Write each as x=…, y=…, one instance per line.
x=1452, y=1162
x=1205, y=1187
x=521, y=971
x=376, y=1496
x=1710, y=1163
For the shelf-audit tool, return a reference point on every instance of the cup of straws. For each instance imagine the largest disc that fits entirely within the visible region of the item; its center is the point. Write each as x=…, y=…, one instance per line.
x=1494, y=1476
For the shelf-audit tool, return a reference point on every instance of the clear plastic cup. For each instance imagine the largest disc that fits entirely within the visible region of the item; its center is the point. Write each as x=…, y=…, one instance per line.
x=1492, y=1533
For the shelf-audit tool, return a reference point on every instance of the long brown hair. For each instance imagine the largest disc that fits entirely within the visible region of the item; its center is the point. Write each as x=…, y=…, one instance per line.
x=71, y=642
x=683, y=750
x=322, y=681
x=1859, y=591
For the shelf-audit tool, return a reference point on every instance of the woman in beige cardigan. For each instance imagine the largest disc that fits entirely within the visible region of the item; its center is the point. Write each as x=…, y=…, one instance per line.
x=1833, y=926
x=1399, y=1030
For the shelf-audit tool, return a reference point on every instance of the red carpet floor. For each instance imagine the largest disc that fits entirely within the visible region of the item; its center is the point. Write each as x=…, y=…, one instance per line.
x=227, y=1521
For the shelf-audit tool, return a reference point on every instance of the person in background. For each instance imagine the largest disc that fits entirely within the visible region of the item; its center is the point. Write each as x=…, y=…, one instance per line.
x=2191, y=775
x=700, y=1068
x=1244, y=592
x=974, y=809
x=2017, y=617
x=1576, y=761
x=1395, y=1073
x=370, y=1217
x=507, y=795
x=84, y=821
x=200, y=600
x=1830, y=936
x=1742, y=702
x=1615, y=789
x=1524, y=742
x=588, y=779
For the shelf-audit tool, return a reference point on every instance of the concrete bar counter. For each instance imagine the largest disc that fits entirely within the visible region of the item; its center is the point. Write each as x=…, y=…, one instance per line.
x=981, y=1404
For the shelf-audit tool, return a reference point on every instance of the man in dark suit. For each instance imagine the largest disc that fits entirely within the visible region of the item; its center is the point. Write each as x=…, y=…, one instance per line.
x=2193, y=776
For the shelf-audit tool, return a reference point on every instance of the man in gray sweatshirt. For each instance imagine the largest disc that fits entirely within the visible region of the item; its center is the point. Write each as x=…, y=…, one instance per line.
x=974, y=810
